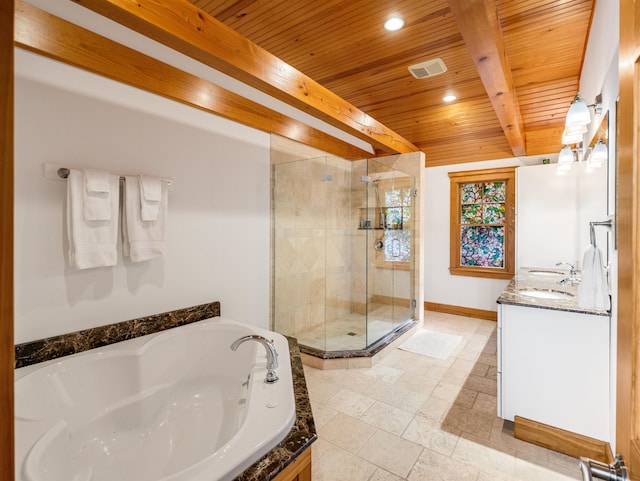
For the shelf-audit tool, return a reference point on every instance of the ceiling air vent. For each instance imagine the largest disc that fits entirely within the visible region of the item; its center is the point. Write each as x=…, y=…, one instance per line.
x=428, y=69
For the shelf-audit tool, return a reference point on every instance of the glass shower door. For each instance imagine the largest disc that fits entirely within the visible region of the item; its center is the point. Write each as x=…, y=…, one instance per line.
x=391, y=264
x=345, y=324
x=299, y=203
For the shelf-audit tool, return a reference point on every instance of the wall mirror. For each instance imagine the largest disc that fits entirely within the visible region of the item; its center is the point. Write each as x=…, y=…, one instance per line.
x=594, y=195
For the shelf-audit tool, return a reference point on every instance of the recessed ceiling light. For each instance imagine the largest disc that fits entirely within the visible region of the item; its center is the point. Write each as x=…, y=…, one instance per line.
x=449, y=98
x=394, y=23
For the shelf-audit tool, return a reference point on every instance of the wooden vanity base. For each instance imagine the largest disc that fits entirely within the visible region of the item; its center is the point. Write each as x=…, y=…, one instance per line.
x=561, y=441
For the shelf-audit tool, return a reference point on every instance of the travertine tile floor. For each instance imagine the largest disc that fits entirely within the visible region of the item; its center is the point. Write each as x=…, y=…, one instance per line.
x=415, y=418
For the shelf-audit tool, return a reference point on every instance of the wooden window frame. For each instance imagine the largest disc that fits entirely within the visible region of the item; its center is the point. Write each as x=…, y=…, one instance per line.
x=504, y=174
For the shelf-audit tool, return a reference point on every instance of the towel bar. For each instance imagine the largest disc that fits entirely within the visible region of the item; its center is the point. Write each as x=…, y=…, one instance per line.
x=58, y=172
x=592, y=225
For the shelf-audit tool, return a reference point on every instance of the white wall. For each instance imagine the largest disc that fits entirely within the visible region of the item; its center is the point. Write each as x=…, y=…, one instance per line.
x=554, y=210
x=546, y=216
x=217, y=238
x=439, y=285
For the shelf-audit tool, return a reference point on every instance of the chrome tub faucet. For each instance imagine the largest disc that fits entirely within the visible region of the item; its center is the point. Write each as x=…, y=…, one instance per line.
x=272, y=355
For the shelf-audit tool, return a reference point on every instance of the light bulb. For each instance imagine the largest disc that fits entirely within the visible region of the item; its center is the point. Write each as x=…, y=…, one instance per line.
x=599, y=154
x=571, y=137
x=566, y=156
x=574, y=134
x=394, y=23
x=578, y=113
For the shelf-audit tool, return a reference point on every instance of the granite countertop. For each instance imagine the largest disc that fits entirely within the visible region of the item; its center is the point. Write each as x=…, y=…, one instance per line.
x=302, y=434
x=526, y=278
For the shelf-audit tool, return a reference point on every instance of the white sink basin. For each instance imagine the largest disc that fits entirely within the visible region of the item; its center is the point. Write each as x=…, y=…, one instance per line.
x=540, y=272
x=545, y=293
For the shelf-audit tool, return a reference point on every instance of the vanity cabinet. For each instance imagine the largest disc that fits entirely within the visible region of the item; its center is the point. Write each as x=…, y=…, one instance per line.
x=554, y=368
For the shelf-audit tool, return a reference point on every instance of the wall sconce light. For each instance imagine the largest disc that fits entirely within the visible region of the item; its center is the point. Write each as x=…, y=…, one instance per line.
x=578, y=113
x=565, y=157
x=574, y=135
x=568, y=156
x=599, y=154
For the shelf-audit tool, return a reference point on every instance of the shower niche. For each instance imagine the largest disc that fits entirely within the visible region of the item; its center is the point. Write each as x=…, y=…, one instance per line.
x=347, y=260
x=382, y=218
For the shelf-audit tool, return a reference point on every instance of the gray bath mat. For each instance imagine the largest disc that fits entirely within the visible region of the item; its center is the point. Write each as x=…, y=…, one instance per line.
x=431, y=343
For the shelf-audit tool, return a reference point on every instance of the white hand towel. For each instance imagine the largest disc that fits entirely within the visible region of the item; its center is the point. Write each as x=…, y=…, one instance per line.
x=97, y=180
x=150, y=197
x=91, y=243
x=96, y=195
x=593, y=292
x=142, y=240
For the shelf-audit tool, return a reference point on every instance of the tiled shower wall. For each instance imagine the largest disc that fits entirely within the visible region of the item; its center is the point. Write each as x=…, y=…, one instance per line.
x=312, y=251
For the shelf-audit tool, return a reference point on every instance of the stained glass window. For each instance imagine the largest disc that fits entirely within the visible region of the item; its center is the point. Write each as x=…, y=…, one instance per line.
x=482, y=204
x=482, y=246
x=481, y=238
x=493, y=213
x=471, y=214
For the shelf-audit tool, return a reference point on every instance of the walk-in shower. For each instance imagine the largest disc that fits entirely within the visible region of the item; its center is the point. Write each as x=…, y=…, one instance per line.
x=345, y=252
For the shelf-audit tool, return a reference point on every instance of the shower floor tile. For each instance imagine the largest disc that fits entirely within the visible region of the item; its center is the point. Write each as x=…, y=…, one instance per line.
x=351, y=332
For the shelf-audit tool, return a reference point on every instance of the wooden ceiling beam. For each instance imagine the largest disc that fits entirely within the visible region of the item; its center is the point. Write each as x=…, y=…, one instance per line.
x=45, y=34
x=545, y=140
x=478, y=22
x=182, y=26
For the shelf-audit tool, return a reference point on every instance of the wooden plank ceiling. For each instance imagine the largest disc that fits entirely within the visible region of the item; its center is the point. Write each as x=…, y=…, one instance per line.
x=342, y=45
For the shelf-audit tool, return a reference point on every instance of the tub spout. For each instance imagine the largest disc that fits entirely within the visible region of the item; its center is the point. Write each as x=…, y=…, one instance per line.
x=272, y=355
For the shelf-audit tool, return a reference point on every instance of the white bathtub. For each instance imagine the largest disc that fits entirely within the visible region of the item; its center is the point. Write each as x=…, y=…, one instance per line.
x=170, y=406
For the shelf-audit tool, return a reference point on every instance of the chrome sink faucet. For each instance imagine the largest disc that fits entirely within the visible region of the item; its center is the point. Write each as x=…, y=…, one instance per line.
x=573, y=279
x=572, y=267
x=272, y=355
